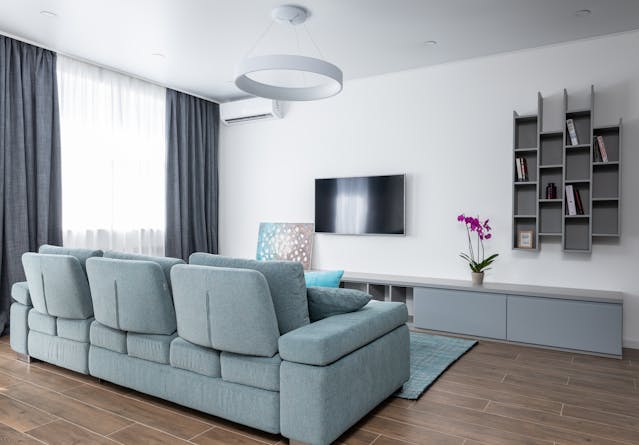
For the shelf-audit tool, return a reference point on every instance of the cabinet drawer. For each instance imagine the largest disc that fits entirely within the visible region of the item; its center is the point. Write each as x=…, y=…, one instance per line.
x=473, y=313
x=581, y=325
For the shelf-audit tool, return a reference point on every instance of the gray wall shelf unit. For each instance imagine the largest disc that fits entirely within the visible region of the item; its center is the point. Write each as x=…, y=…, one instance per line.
x=582, y=320
x=552, y=158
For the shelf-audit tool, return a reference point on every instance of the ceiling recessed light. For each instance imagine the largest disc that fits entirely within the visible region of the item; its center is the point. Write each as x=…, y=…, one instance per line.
x=48, y=13
x=583, y=12
x=159, y=55
x=430, y=42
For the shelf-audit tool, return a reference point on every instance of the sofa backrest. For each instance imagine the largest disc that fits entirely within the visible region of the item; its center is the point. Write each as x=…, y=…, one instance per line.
x=81, y=254
x=225, y=309
x=166, y=263
x=58, y=285
x=285, y=281
x=131, y=295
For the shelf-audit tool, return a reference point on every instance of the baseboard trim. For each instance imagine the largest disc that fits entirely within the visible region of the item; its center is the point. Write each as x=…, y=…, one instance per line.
x=631, y=344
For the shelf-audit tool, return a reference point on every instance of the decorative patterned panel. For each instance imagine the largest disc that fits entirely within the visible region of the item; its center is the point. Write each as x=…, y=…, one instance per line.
x=286, y=241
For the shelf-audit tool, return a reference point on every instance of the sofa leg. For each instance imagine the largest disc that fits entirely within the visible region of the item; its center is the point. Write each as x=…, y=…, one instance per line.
x=24, y=358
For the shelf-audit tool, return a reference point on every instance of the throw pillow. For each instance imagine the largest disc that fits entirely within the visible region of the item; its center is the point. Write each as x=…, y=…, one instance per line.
x=327, y=278
x=325, y=302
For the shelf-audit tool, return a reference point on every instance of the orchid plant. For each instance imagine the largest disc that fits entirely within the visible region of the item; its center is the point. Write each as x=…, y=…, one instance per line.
x=476, y=258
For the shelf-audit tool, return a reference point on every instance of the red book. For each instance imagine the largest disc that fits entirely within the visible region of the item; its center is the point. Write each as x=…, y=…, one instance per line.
x=580, y=207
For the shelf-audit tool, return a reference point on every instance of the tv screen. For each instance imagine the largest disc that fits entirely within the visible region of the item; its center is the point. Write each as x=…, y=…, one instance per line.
x=360, y=206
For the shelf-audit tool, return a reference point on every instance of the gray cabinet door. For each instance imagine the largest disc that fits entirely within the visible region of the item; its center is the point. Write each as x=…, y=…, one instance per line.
x=473, y=313
x=581, y=325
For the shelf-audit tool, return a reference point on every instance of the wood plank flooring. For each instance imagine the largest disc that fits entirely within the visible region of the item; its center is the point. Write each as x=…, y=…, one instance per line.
x=496, y=394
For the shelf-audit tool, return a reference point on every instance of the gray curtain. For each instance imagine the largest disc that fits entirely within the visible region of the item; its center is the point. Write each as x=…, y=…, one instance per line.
x=30, y=190
x=192, y=175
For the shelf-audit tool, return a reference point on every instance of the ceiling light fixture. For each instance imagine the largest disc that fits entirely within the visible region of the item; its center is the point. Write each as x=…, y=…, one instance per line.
x=430, y=42
x=159, y=56
x=48, y=13
x=288, y=77
x=583, y=12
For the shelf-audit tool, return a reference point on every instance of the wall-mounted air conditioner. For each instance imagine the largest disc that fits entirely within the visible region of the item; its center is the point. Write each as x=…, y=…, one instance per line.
x=247, y=110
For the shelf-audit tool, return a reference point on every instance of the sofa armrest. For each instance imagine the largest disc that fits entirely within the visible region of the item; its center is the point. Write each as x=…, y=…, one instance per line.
x=20, y=293
x=332, y=338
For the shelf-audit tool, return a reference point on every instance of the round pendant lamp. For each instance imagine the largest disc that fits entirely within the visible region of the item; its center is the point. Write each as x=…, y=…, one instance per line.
x=272, y=76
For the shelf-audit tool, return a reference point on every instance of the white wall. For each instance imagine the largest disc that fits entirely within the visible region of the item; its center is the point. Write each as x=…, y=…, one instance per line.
x=449, y=127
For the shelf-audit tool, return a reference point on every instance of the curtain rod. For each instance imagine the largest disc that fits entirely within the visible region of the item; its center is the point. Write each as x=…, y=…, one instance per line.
x=99, y=65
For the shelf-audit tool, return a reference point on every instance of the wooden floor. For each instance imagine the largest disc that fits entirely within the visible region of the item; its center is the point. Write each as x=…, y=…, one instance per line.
x=495, y=394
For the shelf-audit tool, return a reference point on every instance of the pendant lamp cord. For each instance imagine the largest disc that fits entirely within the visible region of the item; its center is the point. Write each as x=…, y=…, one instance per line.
x=259, y=39
x=313, y=41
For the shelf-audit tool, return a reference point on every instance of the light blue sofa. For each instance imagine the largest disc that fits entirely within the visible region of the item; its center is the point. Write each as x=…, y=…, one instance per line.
x=233, y=338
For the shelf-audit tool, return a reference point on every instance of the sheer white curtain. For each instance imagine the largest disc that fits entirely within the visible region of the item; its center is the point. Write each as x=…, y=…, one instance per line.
x=113, y=159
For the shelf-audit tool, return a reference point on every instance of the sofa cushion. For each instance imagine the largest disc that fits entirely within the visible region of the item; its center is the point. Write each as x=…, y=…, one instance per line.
x=225, y=309
x=155, y=348
x=259, y=372
x=58, y=285
x=42, y=322
x=131, y=295
x=71, y=329
x=166, y=263
x=107, y=338
x=327, y=301
x=81, y=254
x=330, y=339
x=323, y=278
x=194, y=358
x=285, y=280
x=20, y=293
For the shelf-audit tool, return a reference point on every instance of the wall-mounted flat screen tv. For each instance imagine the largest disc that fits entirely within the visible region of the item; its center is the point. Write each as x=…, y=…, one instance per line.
x=369, y=205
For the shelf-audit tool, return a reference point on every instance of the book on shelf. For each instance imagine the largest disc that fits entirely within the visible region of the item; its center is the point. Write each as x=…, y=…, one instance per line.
x=602, y=149
x=572, y=132
x=522, y=169
x=578, y=203
x=596, y=154
x=570, y=200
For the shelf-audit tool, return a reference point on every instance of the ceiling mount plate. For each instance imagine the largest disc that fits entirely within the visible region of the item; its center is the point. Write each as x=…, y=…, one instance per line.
x=289, y=15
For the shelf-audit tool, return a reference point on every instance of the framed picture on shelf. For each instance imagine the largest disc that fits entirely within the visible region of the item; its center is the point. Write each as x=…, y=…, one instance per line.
x=525, y=239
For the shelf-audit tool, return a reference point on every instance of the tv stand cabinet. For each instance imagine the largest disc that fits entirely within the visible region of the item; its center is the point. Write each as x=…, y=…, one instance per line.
x=580, y=320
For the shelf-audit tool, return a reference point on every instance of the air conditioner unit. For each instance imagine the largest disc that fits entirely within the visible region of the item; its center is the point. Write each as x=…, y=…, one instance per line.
x=247, y=110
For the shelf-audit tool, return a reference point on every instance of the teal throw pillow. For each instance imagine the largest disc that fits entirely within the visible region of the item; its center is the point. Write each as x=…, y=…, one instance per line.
x=326, y=278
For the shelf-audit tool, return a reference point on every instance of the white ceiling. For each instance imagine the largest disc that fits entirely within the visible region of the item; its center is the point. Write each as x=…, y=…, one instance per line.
x=203, y=40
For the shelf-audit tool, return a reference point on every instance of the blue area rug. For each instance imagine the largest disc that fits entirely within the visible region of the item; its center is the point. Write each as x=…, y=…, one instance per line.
x=430, y=356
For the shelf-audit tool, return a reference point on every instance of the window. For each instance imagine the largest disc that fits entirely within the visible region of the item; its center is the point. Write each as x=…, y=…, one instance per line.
x=113, y=159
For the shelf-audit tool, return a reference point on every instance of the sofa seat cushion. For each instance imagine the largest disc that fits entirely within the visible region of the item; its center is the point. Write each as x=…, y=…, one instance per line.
x=42, y=323
x=258, y=372
x=330, y=339
x=20, y=293
x=71, y=329
x=285, y=281
x=107, y=338
x=194, y=358
x=151, y=347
